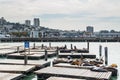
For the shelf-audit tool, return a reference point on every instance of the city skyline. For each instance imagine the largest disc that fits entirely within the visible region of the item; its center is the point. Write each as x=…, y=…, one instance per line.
x=64, y=14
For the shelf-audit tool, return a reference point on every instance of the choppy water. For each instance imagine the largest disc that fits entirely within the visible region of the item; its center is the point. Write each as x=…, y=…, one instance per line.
x=113, y=51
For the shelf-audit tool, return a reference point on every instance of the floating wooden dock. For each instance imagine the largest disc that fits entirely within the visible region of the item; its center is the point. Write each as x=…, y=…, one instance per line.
x=77, y=55
x=62, y=78
x=37, y=63
x=9, y=50
x=16, y=68
x=10, y=76
x=73, y=73
x=77, y=50
x=4, y=52
x=32, y=55
x=42, y=50
x=68, y=65
x=21, y=56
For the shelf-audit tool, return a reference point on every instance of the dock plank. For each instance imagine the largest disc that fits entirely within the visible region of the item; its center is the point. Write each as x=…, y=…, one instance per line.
x=68, y=65
x=9, y=76
x=85, y=73
x=16, y=68
x=21, y=62
x=77, y=55
x=31, y=55
x=62, y=78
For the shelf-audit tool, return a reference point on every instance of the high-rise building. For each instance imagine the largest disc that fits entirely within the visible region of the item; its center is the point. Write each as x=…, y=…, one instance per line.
x=27, y=22
x=36, y=22
x=90, y=29
x=2, y=21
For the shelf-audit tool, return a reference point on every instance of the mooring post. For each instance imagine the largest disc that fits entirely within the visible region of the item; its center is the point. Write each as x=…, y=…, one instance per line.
x=71, y=46
x=42, y=46
x=57, y=52
x=18, y=49
x=46, y=55
x=88, y=46
x=106, y=56
x=100, y=51
x=34, y=45
x=25, y=59
x=65, y=46
x=49, y=44
x=29, y=50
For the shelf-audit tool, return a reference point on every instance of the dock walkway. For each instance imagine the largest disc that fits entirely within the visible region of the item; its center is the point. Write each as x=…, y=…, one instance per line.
x=62, y=78
x=77, y=55
x=73, y=73
x=10, y=76
x=16, y=68
x=68, y=65
x=32, y=55
x=37, y=63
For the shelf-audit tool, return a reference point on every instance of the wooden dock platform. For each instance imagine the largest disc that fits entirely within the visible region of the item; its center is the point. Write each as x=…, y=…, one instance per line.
x=37, y=63
x=4, y=52
x=10, y=76
x=77, y=55
x=16, y=68
x=32, y=55
x=73, y=73
x=62, y=78
x=42, y=50
x=71, y=50
x=9, y=50
x=21, y=56
x=68, y=65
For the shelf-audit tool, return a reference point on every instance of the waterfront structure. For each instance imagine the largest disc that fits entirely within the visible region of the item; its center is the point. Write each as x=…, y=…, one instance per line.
x=34, y=34
x=27, y=22
x=36, y=22
x=107, y=35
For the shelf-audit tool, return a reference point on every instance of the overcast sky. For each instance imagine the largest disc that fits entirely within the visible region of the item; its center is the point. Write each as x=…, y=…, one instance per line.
x=64, y=14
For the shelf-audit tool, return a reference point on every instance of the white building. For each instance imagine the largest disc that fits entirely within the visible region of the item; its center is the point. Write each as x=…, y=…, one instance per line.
x=34, y=34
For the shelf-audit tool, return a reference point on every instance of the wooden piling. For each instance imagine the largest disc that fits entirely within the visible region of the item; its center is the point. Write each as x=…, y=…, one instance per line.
x=88, y=46
x=42, y=46
x=106, y=56
x=25, y=59
x=57, y=52
x=50, y=44
x=100, y=51
x=18, y=49
x=34, y=45
x=46, y=55
x=71, y=46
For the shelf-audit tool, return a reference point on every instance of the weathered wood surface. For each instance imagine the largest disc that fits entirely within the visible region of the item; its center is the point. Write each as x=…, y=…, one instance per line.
x=21, y=62
x=16, y=68
x=6, y=51
x=42, y=50
x=31, y=55
x=68, y=65
x=9, y=76
x=22, y=54
x=84, y=73
x=77, y=55
x=62, y=78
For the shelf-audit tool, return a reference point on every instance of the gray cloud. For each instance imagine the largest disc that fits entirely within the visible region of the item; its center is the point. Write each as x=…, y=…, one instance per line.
x=64, y=12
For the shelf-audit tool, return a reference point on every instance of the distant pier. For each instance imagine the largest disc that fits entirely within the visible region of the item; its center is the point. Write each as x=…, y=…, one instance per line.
x=61, y=39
